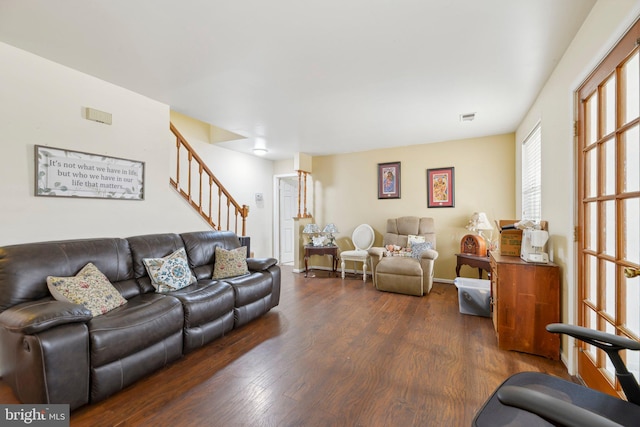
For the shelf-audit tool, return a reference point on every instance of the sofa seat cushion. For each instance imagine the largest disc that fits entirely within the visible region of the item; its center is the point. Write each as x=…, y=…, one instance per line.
x=208, y=312
x=251, y=287
x=145, y=320
x=400, y=266
x=205, y=301
x=401, y=275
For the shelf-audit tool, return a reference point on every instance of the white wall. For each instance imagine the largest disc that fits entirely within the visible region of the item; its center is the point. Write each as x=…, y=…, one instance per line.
x=243, y=175
x=554, y=107
x=41, y=103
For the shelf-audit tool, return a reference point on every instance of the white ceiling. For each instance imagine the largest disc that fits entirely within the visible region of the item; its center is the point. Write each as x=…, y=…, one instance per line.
x=314, y=76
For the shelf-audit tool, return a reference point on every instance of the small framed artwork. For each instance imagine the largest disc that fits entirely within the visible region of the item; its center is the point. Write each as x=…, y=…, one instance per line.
x=389, y=180
x=440, y=188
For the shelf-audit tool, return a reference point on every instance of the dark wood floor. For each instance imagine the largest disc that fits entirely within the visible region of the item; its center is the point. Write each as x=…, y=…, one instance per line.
x=333, y=353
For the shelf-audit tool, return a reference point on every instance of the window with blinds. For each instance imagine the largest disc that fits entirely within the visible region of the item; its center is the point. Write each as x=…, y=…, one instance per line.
x=531, y=176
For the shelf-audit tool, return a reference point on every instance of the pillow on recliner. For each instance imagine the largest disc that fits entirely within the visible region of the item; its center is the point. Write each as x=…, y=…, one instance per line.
x=230, y=263
x=413, y=239
x=169, y=273
x=89, y=287
x=418, y=248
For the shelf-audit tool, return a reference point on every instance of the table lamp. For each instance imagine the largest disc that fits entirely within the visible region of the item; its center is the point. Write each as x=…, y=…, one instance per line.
x=483, y=224
x=312, y=231
x=330, y=229
x=477, y=244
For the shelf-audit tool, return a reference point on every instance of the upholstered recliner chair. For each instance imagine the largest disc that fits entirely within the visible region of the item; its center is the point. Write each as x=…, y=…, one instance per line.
x=411, y=274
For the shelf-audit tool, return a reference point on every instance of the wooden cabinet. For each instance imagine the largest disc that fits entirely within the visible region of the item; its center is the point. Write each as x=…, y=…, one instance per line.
x=525, y=299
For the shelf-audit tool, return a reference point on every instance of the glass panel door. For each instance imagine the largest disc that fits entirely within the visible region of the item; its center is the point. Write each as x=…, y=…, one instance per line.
x=608, y=202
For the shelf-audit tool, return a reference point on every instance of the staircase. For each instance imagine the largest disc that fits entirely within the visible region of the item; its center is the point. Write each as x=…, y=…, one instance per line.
x=197, y=185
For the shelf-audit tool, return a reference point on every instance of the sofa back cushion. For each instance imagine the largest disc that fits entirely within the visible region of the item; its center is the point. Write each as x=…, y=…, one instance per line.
x=201, y=249
x=24, y=268
x=399, y=229
x=151, y=246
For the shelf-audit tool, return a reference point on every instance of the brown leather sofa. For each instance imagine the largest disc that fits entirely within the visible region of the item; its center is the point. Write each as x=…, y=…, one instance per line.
x=56, y=352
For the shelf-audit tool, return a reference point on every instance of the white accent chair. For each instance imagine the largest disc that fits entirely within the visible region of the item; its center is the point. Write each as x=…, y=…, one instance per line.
x=362, y=237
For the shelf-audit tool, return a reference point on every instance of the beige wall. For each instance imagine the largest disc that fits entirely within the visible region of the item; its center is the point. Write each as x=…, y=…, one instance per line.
x=345, y=189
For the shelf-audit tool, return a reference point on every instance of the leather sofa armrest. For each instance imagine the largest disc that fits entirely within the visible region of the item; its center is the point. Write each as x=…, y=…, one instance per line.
x=260, y=264
x=429, y=254
x=37, y=316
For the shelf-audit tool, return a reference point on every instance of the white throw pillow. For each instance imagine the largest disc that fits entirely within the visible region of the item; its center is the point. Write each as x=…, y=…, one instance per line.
x=411, y=239
x=171, y=272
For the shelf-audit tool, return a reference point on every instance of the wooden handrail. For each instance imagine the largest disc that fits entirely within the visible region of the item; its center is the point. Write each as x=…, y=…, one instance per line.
x=203, y=199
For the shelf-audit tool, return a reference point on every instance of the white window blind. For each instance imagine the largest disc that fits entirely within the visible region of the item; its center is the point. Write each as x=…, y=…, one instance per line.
x=532, y=176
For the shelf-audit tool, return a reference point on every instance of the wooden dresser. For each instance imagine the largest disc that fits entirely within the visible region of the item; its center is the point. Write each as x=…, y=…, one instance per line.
x=525, y=299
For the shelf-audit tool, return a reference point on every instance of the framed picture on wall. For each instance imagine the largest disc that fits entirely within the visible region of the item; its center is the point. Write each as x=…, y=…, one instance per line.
x=66, y=173
x=389, y=180
x=440, y=188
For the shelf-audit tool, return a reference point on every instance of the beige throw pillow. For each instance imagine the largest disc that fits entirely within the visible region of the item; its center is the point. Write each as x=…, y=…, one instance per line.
x=89, y=287
x=230, y=263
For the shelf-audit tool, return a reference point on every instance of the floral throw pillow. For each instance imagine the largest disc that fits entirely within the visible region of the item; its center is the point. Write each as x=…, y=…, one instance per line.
x=169, y=273
x=230, y=263
x=418, y=248
x=89, y=287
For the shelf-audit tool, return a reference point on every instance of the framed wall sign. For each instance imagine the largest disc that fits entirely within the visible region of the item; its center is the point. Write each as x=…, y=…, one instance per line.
x=389, y=180
x=66, y=173
x=440, y=188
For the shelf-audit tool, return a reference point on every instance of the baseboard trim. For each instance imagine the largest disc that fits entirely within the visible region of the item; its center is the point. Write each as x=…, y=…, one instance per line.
x=353, y=271
x=301, y=270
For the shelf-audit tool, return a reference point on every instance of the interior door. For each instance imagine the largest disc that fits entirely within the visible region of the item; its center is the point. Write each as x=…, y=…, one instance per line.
x=288, y=190
x=608, y=205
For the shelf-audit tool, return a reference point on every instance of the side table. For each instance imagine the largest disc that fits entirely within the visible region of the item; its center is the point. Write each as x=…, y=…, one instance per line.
x=310, y=250
x=479, y=262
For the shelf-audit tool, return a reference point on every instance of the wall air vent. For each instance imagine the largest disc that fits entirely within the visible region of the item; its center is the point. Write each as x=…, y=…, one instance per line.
x=469, y=117
x=97, y=116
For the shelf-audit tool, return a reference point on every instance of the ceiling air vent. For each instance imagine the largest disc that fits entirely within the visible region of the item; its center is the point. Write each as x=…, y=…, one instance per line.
x=469, y=117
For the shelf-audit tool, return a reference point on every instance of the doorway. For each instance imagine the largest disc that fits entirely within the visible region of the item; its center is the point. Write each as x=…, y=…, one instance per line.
x=286, y=187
